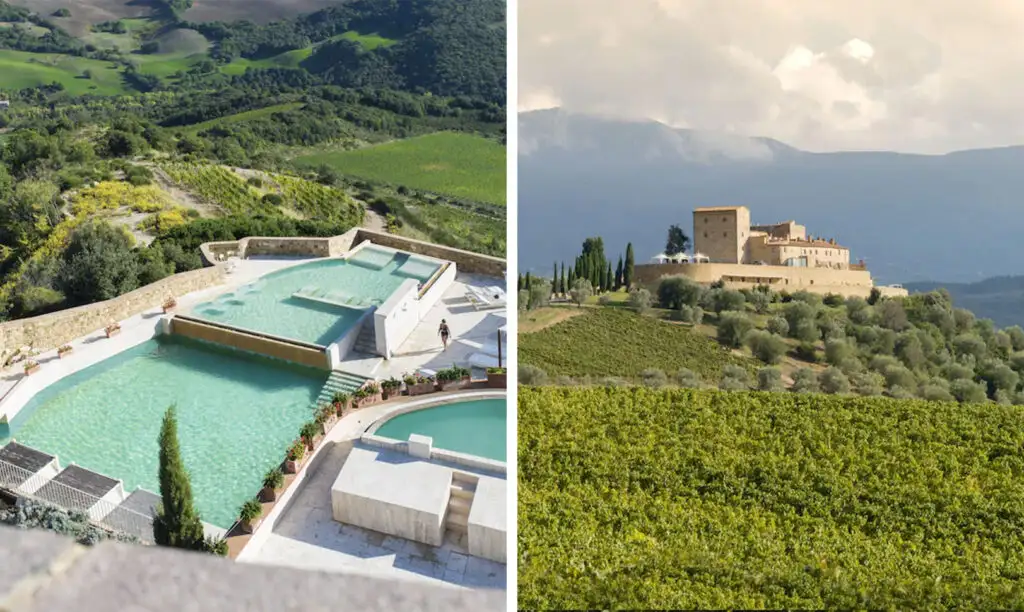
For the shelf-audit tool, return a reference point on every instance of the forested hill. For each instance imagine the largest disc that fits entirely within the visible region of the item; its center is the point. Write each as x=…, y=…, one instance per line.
x=446, y=47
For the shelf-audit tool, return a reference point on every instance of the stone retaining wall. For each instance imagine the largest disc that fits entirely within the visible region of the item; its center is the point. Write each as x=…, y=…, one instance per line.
x=465, y=261
x=52, y=330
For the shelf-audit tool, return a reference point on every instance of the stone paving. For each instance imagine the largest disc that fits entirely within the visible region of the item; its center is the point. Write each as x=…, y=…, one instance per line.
x=307, y=537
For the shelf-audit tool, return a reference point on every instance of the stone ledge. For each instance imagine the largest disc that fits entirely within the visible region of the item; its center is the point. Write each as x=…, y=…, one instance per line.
x=40, y=571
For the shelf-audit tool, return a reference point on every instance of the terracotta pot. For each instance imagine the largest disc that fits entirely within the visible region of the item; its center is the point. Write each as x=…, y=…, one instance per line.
x=454, y=385
x=312, y=445
x=268, y=495
x=251, y=526
x=293, y=467
x=113, y=332
x=497, y=381
x=422, y=388
x=31, y=371
x=329, y=424
x=387, y=394
x=341, y=408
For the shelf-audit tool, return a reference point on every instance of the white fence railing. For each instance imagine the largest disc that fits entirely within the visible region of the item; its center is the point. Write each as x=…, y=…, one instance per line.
x=108, y=514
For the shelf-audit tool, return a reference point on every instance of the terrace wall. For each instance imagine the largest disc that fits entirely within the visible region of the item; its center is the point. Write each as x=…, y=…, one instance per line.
x=466, y=261
x=52, y=330
x=253, y=343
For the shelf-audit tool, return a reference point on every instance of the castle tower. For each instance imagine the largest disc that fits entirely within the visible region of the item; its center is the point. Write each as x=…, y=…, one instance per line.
x=721, y=233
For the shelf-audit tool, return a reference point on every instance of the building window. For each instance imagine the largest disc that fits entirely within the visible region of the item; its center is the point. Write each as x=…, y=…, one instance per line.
x=705, y=220
x=705, y=234
x=724, y=219
x=725, y=234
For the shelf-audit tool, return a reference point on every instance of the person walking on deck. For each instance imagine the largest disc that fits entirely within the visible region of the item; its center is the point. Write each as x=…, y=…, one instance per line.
x=445, y=333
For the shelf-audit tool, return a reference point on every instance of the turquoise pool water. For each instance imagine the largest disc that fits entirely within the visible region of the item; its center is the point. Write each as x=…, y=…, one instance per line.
x=236, y=416
x=475, y=427
x=267, y=305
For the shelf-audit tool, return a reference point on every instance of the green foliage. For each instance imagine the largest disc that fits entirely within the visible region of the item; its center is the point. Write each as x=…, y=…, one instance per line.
x=676, y=291
x=531, y=375
x=617, y=342
x=766, y=346
x=734, y=378
x=770, y=379
x=581, y=291
x=704, y=500
x=733, y=328
x=177, y=523
x=98, y=264
x=39, y=515
x=640, y=299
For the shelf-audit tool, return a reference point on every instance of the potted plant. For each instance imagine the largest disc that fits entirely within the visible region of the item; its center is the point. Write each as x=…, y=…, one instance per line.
x=418, y=384
x=113, y=329
x=64, y=350
x=272, y=484
x=497, y=378
x=170, y=304
x=250, y=514
x=391, y=387
x=326, y=416
x=341, y=402
x=373, y=391
x=311, y=434
x=453, y=378
x=293, y=460
x=31, y=367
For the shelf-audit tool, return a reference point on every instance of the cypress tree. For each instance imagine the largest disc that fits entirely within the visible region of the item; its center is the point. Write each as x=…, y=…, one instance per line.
x=561, y=282
x=519, y=287
x=609, y=282
x=571, y=280
x=554, y=279
x=528, y=284
x=176, y=523
x=627, y=270
x=618, y=275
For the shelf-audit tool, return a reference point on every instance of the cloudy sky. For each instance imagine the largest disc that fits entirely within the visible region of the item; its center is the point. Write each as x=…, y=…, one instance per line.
x=925, y=76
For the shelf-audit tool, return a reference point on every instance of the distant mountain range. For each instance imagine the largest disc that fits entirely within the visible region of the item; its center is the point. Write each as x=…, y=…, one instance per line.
x=956, y=217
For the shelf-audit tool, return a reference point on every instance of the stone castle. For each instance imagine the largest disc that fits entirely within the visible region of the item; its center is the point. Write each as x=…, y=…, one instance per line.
x=782, y=256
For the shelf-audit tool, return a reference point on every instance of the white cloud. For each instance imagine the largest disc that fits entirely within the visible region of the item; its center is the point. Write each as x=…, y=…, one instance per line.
x=819, y=74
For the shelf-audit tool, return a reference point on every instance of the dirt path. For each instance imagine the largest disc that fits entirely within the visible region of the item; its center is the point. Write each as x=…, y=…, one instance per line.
x=375, y=222
x=182, y=197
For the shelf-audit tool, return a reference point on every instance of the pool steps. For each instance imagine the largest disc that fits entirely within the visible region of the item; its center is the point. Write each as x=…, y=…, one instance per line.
x=340, y=381
x=462, y=492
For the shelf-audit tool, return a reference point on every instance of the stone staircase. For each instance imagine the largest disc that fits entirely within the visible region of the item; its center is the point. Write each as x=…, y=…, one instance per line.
x=339, y=381
x=456, y=522
x=366, y=341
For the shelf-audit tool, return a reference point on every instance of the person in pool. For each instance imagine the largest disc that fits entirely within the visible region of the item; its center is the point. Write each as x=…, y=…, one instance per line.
x=445, y=333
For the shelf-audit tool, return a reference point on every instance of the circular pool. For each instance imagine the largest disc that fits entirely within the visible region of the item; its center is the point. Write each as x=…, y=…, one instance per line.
x=473, y=427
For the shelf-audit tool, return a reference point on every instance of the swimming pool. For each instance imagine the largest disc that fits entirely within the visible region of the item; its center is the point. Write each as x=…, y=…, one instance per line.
x=317, y=301
x=236, y=416
x=475, y=427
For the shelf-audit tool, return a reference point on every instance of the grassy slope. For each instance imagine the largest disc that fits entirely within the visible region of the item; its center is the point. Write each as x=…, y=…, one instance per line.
x=454, y=164
x=19, y=69
x=635, y=499
x=236, y=118
x=292, y=59
x=618, y=342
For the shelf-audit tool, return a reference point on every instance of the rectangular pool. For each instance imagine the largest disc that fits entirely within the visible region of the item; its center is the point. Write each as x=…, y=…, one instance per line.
x=237, y=414
x=318, y=301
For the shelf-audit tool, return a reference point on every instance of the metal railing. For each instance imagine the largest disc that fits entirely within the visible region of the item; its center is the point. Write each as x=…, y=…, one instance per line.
x=110, y=515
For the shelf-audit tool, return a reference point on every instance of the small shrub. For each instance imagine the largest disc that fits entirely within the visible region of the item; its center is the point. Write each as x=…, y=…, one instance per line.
x=604, y=300
x=688, y=379
x=867, y=383
x=733, y=328
x=806, y=351
x=778, y=326
x=834, y=300
x=770, y=379
x=766, y=346
x=251, y=510
x=532, y=375
x=640, y=300
x=654, y=378
x=734, y=378
x=274, y=479
x=834, y=381
x=805, y=381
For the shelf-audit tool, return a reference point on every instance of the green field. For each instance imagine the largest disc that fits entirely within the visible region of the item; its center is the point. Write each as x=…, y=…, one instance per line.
x=20, y=69
x=368, y=41
x=450, y=163
x=618, y=342
x=640, y=499
x=236, y=118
